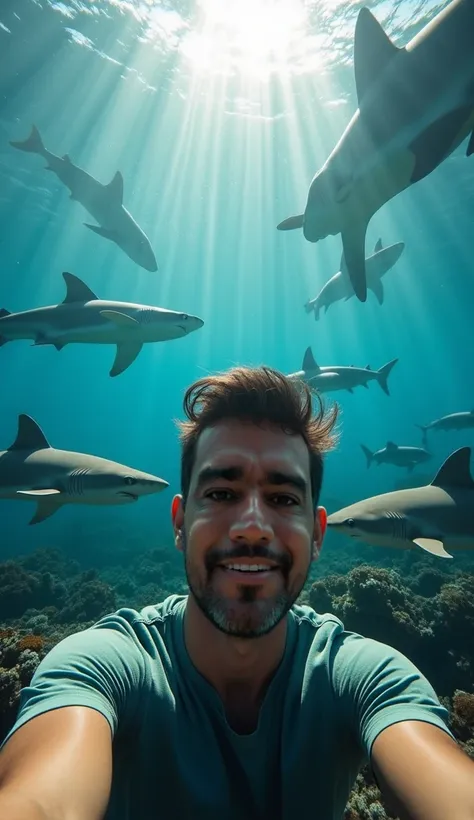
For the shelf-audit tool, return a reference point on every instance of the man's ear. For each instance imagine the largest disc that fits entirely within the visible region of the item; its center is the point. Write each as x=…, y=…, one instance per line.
x=320, y=524
x=177, y=520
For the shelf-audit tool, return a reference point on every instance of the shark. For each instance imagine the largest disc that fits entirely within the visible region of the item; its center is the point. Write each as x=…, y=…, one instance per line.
x=330, y=378
x=32, y=470
x=103, y=202
x=339, y=286
x=453, y=421
x=399, y=455
x=415, y=107
x=438, y=517
x=83, y=318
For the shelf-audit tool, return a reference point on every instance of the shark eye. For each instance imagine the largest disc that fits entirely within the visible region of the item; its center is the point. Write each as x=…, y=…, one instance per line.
x=350, y=522
x=130, y=480
x=185, y=316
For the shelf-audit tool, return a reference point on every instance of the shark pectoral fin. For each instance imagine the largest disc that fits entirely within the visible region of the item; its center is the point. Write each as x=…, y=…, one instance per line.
x=353, y=242
x=115, y=188
x=38, y=492
x=291, y=224
x=121, y=319
x=377, y=287
x=46, y=507
x=102, y=232
x=438, y=140
x=126, y=354
x=373, y=50
x=76, y=290
x=432, y=545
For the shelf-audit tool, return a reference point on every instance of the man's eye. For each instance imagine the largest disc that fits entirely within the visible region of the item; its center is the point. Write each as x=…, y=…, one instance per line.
x=284, y=500
x=220, y=495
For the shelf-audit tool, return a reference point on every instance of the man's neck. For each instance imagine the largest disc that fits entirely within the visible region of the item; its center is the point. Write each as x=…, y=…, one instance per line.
x=239, y=669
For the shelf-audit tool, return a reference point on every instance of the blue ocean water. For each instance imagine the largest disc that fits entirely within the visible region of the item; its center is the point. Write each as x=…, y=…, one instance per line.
x=217, y=128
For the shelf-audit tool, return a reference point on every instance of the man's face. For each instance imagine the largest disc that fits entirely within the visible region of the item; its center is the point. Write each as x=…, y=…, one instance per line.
x=249, y=531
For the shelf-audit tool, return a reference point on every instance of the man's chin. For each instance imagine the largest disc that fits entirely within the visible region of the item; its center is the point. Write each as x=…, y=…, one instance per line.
x=245, y=619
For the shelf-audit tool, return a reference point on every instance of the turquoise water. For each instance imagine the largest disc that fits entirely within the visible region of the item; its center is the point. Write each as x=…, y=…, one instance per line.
x=217, y=115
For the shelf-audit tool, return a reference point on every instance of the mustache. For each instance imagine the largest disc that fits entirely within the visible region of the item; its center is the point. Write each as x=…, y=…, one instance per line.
x=216, y=556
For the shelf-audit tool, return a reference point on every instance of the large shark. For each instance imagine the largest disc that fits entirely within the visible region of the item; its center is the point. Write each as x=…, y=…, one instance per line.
x=454, y=421
x=82, y=317
x=438, y=517
x=339, y=286
x=416, y=106
x=330, y=378
x=400, y=455
x=103, y=202
x=32, y=470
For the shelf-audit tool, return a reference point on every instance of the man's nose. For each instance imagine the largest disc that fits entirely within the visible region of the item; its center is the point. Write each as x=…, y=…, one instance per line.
x=252, y=523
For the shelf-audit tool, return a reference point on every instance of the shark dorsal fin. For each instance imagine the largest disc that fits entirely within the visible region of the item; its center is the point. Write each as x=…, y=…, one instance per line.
x=368, y=367
x=30, y=435
x=309, y=362
x=373, y=50
x=115, y=187
x=455, y=472
x=378, y=246
x=76, y=290
x=391, y=446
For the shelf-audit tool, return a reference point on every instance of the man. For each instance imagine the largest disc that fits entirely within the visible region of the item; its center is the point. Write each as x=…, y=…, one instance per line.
x=233, y=703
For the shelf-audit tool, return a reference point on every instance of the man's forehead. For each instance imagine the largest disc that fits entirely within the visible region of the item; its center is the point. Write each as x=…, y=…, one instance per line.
x=243, y=442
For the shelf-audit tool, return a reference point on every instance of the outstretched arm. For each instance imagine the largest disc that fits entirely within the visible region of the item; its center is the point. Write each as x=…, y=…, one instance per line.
x=423, y=773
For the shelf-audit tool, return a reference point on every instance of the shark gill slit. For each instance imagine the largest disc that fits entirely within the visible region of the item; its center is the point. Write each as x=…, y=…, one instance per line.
x=75, y=483
x=399, y=525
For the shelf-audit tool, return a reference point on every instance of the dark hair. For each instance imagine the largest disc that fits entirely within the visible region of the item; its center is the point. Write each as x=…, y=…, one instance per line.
x=262, y=396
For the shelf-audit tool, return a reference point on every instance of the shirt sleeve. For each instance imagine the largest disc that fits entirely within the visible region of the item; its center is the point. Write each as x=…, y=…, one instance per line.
x=101, y=667
x=377, y=686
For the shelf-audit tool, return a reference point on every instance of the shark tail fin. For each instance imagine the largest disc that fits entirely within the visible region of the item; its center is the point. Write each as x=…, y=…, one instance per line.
x=368, y=454
x=383, y=374
x=424, y=434
x=33, y=143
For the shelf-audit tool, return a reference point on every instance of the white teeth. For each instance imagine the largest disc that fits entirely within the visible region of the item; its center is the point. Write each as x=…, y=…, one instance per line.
x=248, y=567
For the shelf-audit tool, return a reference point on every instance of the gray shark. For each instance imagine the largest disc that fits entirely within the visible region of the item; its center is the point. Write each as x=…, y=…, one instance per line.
x=82, y=317
x=416, y=106
x=32, y=470
x=330, y=378
x=399, y=455
x=438, y=517
x=103, y=202
x=453, y=421
x=339, y=286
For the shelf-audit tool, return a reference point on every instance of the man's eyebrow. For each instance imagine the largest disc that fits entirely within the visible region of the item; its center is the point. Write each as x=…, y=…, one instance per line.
x=209, y=474
x=279, y=477
x=234, y=473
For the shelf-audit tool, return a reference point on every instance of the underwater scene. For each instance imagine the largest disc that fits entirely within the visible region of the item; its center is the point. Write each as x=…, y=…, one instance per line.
x=190, y=185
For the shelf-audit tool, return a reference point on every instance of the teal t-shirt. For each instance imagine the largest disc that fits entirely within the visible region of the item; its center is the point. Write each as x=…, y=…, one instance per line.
x=174, y=755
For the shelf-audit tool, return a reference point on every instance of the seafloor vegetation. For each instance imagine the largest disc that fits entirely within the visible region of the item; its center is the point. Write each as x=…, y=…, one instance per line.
x=425, y=611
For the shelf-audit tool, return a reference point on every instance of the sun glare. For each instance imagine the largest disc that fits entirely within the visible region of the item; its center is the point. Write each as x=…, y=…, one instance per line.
x=252, y=36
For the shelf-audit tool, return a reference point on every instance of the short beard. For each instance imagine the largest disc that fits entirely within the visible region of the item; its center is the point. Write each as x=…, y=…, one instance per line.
x=226, y=617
